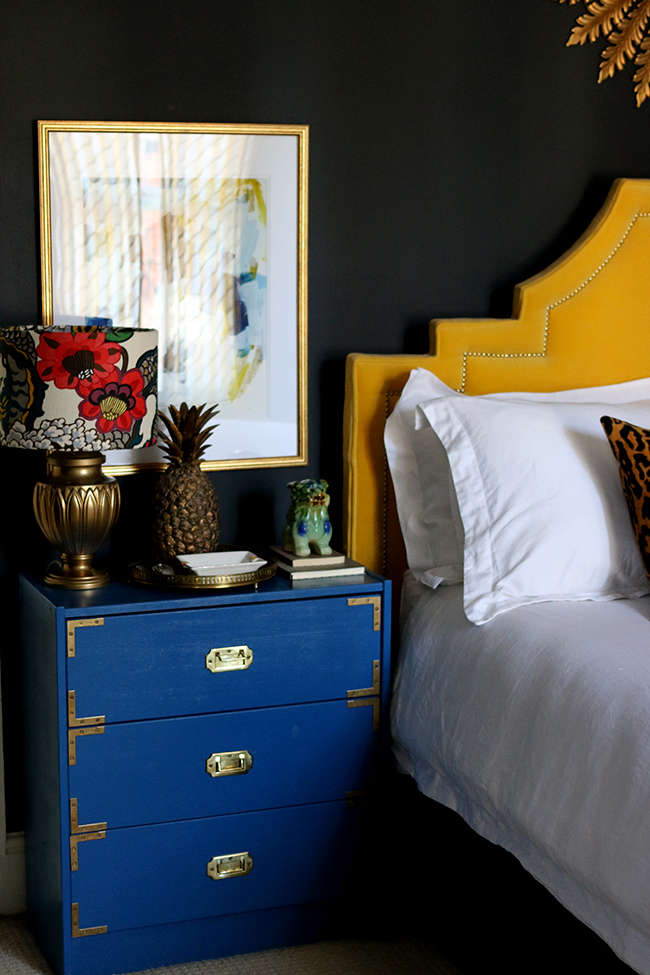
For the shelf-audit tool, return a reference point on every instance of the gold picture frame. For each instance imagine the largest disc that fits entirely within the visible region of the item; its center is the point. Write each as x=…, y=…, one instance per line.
x=198, y=230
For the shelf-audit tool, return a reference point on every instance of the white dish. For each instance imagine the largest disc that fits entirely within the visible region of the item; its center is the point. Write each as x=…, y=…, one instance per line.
x=222, y=563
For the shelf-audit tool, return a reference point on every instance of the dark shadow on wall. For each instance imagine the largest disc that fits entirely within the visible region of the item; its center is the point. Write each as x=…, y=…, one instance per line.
x=416, y=337
x=248, y=513
x=23, y=548
x=255, y=524
x=330, y=460
x=589, y=205
x=129, y=540
x=473, y=900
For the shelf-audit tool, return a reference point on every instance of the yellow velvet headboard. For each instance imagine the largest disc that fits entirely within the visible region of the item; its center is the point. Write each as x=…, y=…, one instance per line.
x=584, y=321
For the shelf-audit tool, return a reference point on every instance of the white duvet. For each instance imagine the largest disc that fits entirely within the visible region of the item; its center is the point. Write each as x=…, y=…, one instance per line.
x=536, y=728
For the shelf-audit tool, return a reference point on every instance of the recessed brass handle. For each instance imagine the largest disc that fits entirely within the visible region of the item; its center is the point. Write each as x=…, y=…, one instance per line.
x=232, y=865
x=229, y=763
x=229, y=658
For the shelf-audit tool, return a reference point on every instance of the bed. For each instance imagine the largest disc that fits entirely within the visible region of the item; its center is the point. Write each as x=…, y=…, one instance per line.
x=522, y=693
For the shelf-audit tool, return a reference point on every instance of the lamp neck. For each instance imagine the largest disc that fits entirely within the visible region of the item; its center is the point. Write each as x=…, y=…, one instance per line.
x=75, y=467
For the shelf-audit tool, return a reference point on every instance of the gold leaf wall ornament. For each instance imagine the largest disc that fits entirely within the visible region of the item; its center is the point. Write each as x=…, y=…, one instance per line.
x=625, y=26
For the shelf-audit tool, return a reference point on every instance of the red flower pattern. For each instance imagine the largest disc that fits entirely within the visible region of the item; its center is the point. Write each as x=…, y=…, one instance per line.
x=117, y=403
x=77, y=360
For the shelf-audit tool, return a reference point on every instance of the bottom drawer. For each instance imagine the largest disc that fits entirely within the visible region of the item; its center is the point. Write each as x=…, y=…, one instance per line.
x=134, y=949
x=158, y=874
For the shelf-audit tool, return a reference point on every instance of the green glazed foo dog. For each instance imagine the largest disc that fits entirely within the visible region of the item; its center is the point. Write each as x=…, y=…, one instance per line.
x=308, y=524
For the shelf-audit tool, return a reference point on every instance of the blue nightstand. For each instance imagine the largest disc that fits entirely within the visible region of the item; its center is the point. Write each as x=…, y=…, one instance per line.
x=198, y=766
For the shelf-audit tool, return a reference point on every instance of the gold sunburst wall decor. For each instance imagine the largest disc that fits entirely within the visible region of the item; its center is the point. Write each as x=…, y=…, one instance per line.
x=624, y=24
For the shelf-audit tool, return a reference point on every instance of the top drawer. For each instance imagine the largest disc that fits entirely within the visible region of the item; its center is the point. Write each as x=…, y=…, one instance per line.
x=154, y=664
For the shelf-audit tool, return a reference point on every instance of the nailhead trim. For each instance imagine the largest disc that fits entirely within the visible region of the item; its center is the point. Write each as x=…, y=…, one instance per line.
x=560, y=301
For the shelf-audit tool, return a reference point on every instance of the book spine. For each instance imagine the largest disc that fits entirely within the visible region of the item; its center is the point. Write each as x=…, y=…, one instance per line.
x=332, y=573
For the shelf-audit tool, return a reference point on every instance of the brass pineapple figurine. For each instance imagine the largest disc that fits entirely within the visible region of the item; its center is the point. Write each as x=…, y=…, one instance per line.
x=186, y=509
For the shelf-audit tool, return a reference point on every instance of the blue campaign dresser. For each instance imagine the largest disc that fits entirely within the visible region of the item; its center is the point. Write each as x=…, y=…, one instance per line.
x=198, y=766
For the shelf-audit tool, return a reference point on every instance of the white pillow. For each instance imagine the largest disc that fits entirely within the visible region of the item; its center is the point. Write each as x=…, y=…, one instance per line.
x=426, y=500
x=540, y=500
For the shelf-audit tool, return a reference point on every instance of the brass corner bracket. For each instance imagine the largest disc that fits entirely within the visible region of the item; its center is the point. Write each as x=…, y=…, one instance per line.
x=73, y=734
x=71, y=630
x=80, y=838
x=376, y=680
x=375, y=602
x=76, y=827
x=78, y=932
x=358, y=702
x=74, y=721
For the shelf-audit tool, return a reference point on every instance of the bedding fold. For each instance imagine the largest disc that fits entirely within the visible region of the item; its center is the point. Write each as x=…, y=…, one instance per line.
x=535, y=727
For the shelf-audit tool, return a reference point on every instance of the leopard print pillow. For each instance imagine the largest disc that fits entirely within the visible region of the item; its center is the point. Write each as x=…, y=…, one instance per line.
x=631, y=447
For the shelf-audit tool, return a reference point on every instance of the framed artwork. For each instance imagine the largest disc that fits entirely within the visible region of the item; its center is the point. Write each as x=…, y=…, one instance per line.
x=200, y=232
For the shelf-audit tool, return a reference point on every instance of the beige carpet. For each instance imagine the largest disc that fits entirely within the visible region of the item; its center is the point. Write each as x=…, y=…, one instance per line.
x=19, y=955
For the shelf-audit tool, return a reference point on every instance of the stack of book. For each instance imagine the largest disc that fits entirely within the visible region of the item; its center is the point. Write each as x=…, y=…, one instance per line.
x=314, y=566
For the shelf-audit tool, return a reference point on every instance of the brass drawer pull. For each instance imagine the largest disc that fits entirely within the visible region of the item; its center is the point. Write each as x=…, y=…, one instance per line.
x=233, y=865
x=229, y=763
x=229, y=658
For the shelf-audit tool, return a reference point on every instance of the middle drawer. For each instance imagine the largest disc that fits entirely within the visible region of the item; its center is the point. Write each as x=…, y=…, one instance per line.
x=154, y=771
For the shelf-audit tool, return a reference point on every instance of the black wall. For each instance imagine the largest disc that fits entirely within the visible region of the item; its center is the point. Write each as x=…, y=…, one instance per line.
x=455, y=148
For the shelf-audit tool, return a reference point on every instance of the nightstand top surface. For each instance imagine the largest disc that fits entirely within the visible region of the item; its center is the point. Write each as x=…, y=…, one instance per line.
x=120, y=598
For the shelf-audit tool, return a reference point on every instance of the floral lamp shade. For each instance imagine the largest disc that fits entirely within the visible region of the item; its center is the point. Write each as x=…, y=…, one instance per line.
x=76, y=391
x=78, y=388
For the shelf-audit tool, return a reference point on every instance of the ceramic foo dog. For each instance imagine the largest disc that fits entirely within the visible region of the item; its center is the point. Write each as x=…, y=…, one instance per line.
x=308, y=524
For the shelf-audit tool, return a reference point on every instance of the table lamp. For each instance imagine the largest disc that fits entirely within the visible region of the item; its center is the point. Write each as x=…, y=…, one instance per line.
x=76, y=392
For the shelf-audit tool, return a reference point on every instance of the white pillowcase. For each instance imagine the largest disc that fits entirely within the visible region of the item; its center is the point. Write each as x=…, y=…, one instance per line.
x=426, y=500
x=541, y=502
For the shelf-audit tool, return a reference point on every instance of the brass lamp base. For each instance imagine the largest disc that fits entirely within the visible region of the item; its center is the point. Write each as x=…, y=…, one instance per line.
x=69, y=575
x=76, y=509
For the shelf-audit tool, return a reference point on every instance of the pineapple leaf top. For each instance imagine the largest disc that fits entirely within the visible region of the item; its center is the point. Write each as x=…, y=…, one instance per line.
x=188, y=435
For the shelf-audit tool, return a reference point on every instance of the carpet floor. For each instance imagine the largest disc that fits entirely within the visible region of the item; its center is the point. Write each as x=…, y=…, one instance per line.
x=20, y=955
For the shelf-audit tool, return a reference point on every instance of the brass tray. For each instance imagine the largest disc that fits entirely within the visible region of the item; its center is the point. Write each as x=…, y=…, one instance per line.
x=145, y=575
